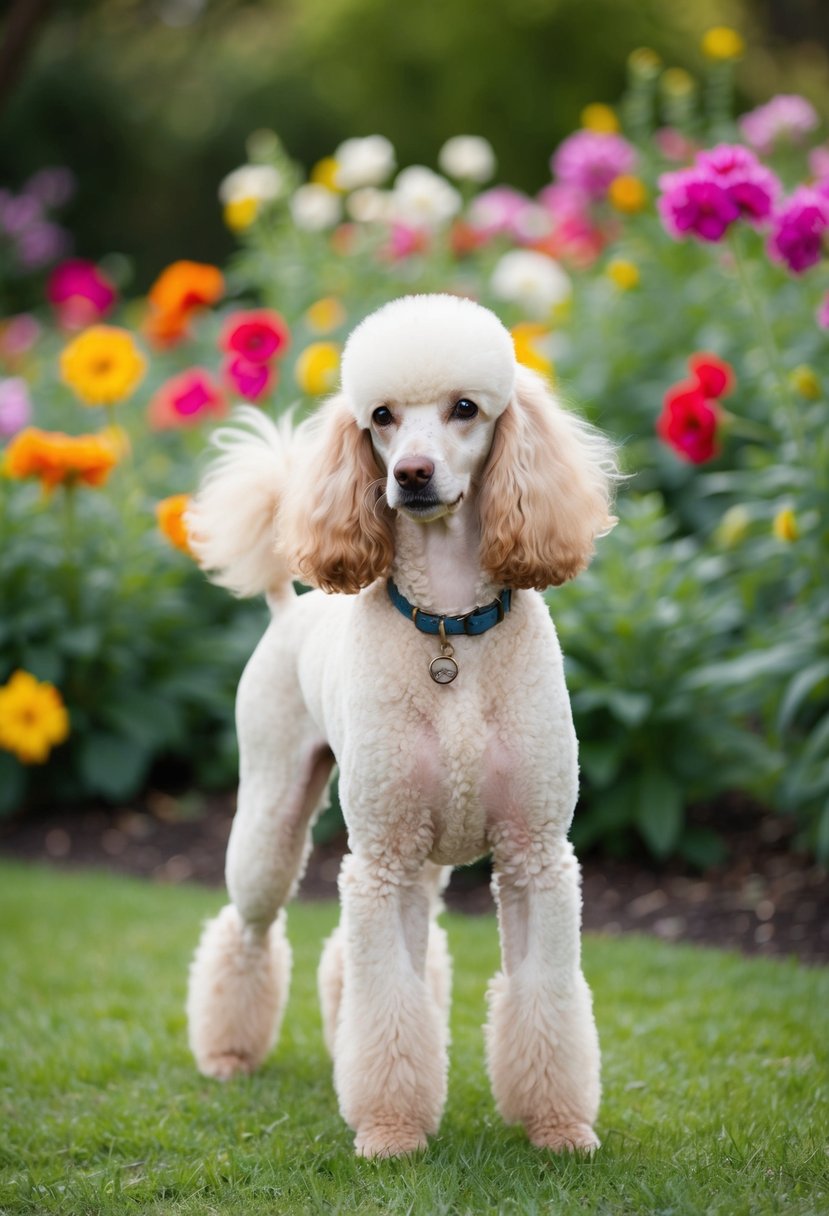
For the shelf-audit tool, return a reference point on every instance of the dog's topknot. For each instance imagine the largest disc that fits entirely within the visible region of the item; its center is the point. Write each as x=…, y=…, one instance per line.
x=422, y=348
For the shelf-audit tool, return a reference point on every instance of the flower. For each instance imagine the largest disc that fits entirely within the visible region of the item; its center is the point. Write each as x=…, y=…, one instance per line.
x=722, y=43
x=624, y=273
x=18, y=335
x=368, y=205
x=317, y=368
x=324, y=173
x=533, y=280
x=693, y=202
x=751, y=186
x=733, y=526
x=180, y=291
x=590, y=160
x=422, y=198
x=239, y=214
x=528, y=338
x=689, y=423
x=80, y=293
x=258, y=335
x=468, y=158
x=363, y=162
x=804, y=381
x=250, y=380
x=169, y=513
x=503, y=210
x=784, y=525
x=15, y=405
x=33, y=718
x=186, y=400
x=599, y=117
x=102, y=365
x=796, y=238
x=644, y=62
x=713, y=376
x=627, y=194
x=787, y=118
x=325, y=314
x=58, y=459
x=314, y=207
x=243, y=192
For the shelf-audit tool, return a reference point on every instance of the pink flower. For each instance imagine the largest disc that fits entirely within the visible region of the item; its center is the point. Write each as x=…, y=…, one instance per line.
x=753, y=187
x=256, y=336
x=80, y=293
x=673, y=145
x=823, y=313
x=590, y=160
x=787, y=118
x=693, y=202
x=799, y=226
x=250, y=380
x=498, y=211
x=15, y=406
x=819, y=162
x=186, y=400
x=18, y=335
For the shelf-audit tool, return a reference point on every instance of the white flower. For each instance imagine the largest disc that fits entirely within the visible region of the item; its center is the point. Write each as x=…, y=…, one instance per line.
x=534, y=280
x=368, y=205
x=424, y=199
x=315, y=207
x=467, y=157
x=364, y=162
x=261, y=182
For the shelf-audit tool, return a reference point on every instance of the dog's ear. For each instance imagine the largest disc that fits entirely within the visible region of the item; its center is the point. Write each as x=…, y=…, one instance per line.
x=546, y=490
x=334, y=530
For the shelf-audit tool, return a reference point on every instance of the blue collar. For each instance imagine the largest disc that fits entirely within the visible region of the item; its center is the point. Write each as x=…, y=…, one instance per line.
x=479, y=620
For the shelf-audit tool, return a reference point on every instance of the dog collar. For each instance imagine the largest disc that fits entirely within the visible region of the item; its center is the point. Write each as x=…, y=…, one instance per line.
x=443, y=669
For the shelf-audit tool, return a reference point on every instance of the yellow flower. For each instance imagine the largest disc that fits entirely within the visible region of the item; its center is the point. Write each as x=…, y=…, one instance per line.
x=804, y=381
x=722, y=43
x=170, y=516
x=324, y=315
x=599, y=117
x=627, y=194
x=785, y=526
x=733, y=526
x=525, y=336
x=623, y=273
x=644, y=62
x=317, y=368
x=33, y=718
x=240, y=213
x=676, y=82
x=103, y=365
x=324, y=173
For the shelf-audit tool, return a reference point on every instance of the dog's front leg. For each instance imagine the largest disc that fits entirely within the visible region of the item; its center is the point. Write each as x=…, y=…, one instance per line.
x=390, y=1057
x=542, y=1045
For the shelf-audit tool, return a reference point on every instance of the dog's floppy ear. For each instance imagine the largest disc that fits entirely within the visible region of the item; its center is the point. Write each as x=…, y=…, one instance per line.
x=546, y=490
x=333, y=529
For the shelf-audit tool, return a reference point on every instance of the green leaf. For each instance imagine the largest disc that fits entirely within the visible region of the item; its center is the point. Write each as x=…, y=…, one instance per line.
x=12, y=784
x=82, y=642
x=659, y=812
x=111, y=765
x=801, y=687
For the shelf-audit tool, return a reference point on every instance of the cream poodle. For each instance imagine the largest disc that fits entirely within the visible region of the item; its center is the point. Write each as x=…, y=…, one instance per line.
x=428, y=503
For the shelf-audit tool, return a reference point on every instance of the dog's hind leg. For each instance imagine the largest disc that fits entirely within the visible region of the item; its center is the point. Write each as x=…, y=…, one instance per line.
x=240, y=974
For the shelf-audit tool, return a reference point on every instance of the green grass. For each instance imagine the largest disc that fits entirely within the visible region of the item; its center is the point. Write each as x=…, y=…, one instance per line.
x=715, y=1077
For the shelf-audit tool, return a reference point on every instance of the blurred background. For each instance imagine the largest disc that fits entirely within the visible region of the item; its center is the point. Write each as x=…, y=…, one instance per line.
x=150, y=102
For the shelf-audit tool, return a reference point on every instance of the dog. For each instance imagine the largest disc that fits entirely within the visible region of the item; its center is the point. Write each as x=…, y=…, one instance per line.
x=427, y=503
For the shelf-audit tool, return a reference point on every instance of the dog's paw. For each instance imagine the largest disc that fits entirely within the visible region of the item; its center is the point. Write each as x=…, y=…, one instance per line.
x=388, y=1138
x=564, y=1138
x=223, y=1066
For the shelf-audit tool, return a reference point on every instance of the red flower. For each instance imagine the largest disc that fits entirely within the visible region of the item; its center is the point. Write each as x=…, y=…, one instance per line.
x=689, y=423
x=186, y=400
x=714, y=377
x=257, y=336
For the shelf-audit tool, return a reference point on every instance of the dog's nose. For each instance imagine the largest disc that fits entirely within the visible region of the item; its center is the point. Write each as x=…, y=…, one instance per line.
x=414, y=472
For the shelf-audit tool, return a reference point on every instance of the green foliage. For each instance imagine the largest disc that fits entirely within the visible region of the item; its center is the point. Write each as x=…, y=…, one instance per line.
x=715, y=1093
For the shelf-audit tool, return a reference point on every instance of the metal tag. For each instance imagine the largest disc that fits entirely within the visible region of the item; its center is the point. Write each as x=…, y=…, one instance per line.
x=443, y=669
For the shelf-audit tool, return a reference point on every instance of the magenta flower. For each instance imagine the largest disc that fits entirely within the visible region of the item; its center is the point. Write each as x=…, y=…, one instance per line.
x=186, y=400
x=250, y=380
x=799, y=226
x=590, y=160
x=787, y=118
x=15, y=406
x=753, y=187
x=694, y=203
x=258, y=335
x=80, y=293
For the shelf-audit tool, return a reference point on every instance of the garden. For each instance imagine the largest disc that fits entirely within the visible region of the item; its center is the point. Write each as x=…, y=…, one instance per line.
x=671, y=280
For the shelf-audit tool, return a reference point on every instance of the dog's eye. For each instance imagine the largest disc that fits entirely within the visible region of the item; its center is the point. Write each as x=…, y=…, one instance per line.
x=382, y=416
x=464, y=409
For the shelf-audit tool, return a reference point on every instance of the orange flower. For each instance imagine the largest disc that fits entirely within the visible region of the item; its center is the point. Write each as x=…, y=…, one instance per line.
x=170, y=516
x=58, y=459
x=178, y=292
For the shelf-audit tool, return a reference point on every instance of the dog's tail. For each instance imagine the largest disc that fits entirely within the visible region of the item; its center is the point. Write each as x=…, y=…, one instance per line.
x=231, y=520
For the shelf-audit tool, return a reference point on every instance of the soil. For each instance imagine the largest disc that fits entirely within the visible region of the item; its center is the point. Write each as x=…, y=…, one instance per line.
x=767, y=898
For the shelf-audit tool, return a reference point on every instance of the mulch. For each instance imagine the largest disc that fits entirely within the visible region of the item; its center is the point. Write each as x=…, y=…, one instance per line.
x=768, y=898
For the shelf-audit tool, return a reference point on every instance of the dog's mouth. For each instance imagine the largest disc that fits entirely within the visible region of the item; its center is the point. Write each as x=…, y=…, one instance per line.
x=424, y=508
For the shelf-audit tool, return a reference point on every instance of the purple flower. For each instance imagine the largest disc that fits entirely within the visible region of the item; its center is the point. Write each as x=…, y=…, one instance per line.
x=15, y=406
x=52, y=187
x=693, y=202
x=799, y=225
x=590, y=160
x=753, y=187
x=786, y=118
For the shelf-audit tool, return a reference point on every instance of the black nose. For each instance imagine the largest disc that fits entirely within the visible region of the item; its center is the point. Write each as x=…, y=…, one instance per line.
x=414, y=472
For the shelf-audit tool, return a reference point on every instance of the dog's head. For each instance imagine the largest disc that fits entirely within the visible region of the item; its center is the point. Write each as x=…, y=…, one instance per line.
x=435, y=412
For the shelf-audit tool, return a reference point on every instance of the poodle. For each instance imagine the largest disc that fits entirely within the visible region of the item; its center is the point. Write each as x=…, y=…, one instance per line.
x=427, y=504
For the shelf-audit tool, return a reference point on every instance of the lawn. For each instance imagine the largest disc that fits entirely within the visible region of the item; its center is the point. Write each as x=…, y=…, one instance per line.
x=715, y=1074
